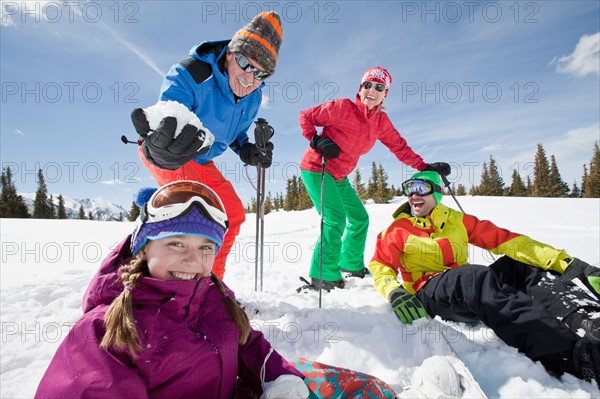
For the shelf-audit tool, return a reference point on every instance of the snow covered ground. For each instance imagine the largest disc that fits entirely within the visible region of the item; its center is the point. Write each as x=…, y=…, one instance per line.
x=47, y=264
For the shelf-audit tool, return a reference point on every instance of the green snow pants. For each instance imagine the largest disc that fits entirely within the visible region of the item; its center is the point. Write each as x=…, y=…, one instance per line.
x=345, y=226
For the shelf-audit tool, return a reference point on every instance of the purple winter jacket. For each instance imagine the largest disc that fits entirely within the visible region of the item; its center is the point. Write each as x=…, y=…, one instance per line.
x=190, y=344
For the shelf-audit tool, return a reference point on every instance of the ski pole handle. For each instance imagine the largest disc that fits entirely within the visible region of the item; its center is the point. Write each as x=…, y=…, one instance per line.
x=262, y=133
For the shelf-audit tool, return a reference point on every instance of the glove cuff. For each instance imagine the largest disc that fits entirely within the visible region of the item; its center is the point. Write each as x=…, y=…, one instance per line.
x=314, y=141
x=396, y=292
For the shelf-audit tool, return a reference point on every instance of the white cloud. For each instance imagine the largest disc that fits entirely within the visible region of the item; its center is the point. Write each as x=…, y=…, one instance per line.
x=584, y=60
x=576, y=140
x=19, y=132
x=264, y=102
x=491, y=148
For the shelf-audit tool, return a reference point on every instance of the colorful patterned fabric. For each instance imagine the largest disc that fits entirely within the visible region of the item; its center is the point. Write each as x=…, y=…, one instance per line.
x=326, y=382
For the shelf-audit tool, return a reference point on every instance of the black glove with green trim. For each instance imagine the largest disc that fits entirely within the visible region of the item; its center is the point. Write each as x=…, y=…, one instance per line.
x=407, y=307
x=586, y=273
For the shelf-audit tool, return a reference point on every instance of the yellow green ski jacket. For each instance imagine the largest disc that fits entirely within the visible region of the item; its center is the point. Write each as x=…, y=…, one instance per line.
x=419, y=248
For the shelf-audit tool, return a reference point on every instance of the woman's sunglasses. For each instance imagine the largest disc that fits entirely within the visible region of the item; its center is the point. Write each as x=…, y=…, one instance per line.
x=378, y=86
x=247, y=67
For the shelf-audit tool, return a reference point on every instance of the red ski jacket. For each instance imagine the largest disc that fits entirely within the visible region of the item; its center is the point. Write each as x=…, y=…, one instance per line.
x=355, y=131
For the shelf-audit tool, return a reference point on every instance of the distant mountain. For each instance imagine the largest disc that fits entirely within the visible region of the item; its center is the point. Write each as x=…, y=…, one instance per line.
x=101, y=208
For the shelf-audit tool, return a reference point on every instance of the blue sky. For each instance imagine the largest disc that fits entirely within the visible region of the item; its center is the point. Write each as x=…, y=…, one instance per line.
x=470, y=80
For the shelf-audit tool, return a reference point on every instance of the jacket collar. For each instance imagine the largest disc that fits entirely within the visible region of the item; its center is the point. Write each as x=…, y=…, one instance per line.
x=437, y=218
x=363, y=108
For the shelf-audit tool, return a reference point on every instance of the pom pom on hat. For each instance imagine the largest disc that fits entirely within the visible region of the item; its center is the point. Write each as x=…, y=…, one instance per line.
x=260, y=40
x=377, y=75
x=143, y=195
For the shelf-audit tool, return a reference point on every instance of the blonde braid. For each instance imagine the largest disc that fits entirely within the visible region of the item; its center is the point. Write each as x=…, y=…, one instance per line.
x=121, y=331
x=235, y=311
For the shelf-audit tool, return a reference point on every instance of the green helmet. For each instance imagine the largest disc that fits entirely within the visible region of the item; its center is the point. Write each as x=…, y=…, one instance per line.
x=435, y=179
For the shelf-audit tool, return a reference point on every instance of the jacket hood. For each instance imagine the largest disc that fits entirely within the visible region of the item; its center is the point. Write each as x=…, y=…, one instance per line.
x=209, y=52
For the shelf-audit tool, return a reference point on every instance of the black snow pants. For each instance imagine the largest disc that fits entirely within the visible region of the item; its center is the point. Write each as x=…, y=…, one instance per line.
x=522, y=304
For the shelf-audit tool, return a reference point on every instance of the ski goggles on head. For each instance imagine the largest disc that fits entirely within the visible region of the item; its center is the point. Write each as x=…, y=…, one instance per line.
x=420, y=187
x=175, y=199
x=380, y=87
x=247, y=67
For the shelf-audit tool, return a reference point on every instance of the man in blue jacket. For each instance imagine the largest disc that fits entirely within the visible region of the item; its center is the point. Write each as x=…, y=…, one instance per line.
x=221, y=85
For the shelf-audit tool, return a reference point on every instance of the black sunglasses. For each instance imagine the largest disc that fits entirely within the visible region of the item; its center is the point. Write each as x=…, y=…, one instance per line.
x=378, y=86
x=246, y=66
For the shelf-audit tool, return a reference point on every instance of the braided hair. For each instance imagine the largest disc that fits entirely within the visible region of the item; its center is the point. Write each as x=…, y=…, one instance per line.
x=121, y=330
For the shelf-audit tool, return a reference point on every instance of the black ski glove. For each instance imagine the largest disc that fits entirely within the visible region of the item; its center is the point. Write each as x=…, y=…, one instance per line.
x=586, y=273
x=407, y=307
x=442, y=168
x=326, y=146
x=252, y=155
x=160, y=145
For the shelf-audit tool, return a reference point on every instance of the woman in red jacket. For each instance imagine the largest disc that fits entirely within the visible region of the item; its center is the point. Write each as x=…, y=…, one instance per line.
x=350, y=129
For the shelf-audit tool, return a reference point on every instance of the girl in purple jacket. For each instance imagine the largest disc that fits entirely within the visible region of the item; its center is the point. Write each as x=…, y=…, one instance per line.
x=161, y=325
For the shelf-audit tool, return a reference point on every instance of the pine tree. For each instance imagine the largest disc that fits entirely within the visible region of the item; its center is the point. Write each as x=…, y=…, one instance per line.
x=383, y=191
x=517, y=187
x=558, y=188
x=484, y=187
x=81, y=214
x=373, y=184
x=474, y=190
x=41, y=208
x=491, y=180
x=251, y=208
x=304, y=201
x=461, y=190
x=90, y=216
x=268, y=203
x=280, y=201
x=592, y=187
x=52, y=207
x=359, y=186
x=291, y=196
x=61, y=213
x=541, y=174
x=529, y=186
x=575, y=192
x=12, y=205
x=134, y=212
x=584, y=181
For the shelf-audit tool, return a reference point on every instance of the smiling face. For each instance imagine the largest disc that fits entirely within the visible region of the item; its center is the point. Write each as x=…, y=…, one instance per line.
x=187, y=257
x=421, y=206
x=241, y=83
x=371, y=97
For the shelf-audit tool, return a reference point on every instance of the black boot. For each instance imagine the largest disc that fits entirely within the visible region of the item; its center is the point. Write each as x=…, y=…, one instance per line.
x=585, y=322
x=327, y=285
x=586, y=358
x=356, y=273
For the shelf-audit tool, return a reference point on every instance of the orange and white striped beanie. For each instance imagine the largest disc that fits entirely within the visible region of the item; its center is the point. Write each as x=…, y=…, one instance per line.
x=260, y=40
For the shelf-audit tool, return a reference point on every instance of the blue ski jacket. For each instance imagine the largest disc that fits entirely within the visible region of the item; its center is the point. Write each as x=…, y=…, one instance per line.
x=200, y=84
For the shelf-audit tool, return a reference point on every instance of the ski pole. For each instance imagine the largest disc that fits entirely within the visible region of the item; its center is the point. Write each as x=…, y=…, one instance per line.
x=262, y=134
x=259, y=228
x=323, y=164
x=447, y=184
